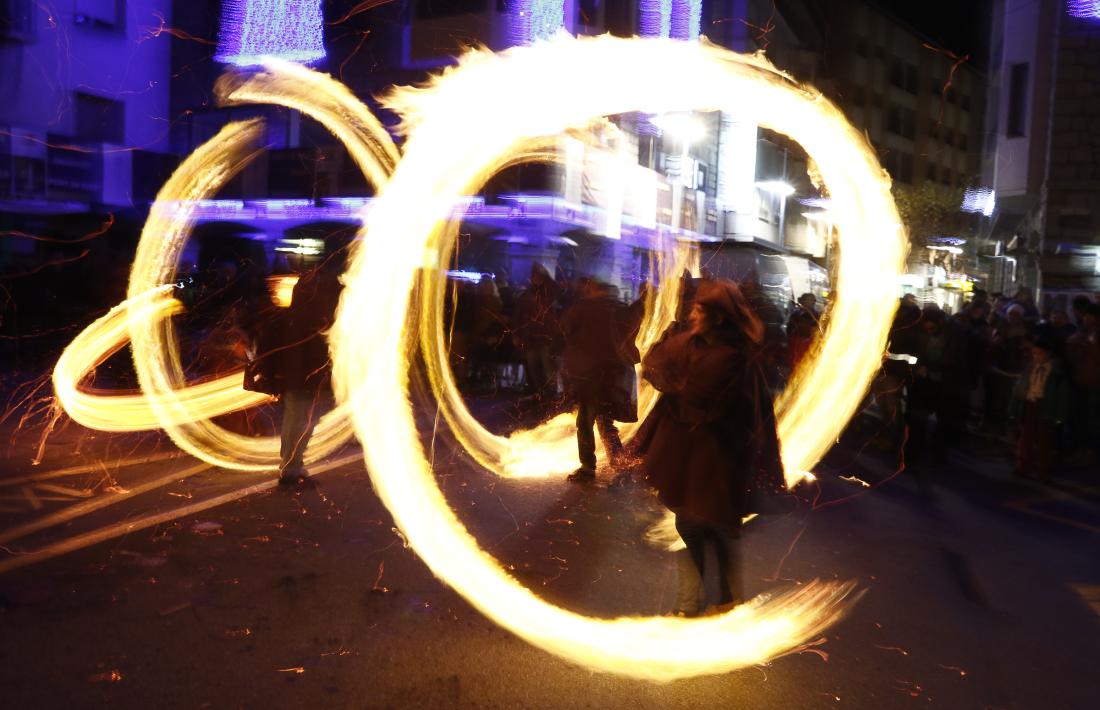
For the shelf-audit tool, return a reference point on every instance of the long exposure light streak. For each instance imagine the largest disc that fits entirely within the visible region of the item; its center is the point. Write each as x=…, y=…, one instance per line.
x=185, y=412
x=450, y=151
x=449, y=147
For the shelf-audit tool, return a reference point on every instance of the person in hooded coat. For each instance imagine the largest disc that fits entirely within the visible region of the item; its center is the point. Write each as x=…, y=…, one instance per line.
x=304, y=362
x=537, y=330
x=599, y=356
x=711, y=439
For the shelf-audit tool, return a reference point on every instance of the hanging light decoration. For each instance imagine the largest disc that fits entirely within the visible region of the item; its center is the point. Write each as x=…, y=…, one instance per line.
x=287, y=29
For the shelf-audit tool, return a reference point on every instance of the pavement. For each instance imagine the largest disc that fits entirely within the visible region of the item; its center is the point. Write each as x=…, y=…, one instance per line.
x=145, y=578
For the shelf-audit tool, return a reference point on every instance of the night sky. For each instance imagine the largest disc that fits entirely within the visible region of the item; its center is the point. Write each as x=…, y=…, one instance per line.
x=959, y=25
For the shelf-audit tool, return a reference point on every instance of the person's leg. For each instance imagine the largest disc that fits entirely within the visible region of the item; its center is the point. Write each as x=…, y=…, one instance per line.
x=730, y=589
x=586, y=438
x=549, y=389
x=693, y=533
x=1025, y=458
x=609, y=434
x=297, y=427
x=689, y=585
x=536, y=376
x=1044, y=448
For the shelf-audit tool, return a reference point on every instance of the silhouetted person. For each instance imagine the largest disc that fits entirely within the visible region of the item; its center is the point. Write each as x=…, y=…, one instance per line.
x=304, y=360
x=711, y=438
x=1039, y=404
x=537, y=330
x=599, y=359
x=802, y=328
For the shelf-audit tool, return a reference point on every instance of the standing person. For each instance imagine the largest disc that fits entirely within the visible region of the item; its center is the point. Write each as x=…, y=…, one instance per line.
x=600, y=354
x=537, y=330
x=895, y=377
x=939, y=386
x=1083, y=359
x=304, y=361
x=1039, y=403
x=1008, y=357
x=802, y=328
x=711, y=438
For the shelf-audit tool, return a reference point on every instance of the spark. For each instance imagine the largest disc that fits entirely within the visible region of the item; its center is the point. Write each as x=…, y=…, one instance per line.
x=185, y=412
x=107, y=224
x=954, y=669
x=296, y=669
x=855, y=481
x=449, y=152
x=163, y=28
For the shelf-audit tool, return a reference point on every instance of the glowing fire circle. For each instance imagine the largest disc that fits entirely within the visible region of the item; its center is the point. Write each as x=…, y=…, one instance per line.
x=468, y=122
x=185, y=412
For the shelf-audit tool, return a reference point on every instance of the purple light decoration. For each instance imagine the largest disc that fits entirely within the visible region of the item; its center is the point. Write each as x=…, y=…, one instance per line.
x=534, y=20
x=654, y=18
x=254, y=29
x=687, y=15
x=1084, y=8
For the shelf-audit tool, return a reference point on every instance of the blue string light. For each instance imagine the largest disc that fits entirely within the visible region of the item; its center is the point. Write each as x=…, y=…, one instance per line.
x=533, y=20
x=1084, y=8
x=687, y=15
x=253, y=29
x=654, y=18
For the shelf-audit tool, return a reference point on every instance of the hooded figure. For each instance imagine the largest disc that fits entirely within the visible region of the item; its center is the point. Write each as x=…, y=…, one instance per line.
x=304, y=360
x=537, y=331
x=600, y=354
x=711, y=440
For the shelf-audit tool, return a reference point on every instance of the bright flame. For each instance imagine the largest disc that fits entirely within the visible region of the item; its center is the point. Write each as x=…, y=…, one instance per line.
x=282, y=289
x=185, y=412
x=449, y=152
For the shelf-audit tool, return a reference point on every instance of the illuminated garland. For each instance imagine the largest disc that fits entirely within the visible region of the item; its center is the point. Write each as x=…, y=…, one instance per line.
x=286, y=29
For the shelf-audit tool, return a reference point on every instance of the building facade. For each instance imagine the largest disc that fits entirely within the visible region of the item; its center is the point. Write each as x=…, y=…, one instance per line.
x=1044, y=152
x=85, y=112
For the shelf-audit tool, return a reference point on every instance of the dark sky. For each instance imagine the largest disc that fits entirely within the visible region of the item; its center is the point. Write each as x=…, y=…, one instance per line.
x=959, y=25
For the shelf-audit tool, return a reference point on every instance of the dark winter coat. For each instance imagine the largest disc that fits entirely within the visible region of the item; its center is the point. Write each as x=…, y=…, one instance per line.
x=600, y=354
x=304, y=359
x=536, y=317
x=711, y=439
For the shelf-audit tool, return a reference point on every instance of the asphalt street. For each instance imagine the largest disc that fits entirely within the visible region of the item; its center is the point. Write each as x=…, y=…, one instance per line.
x=134, y=576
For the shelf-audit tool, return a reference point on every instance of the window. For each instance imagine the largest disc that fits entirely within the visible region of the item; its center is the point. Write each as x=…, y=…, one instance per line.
x=1017, y=101
x=17, y=20
x=912, y=81
x=905, y=168
x=904, y=76
x=897, y=73
x=902, y=122
x=110, y=14
x=100, y=120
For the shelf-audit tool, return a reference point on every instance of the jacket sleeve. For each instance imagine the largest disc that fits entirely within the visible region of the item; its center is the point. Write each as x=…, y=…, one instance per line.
x=660, y=366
